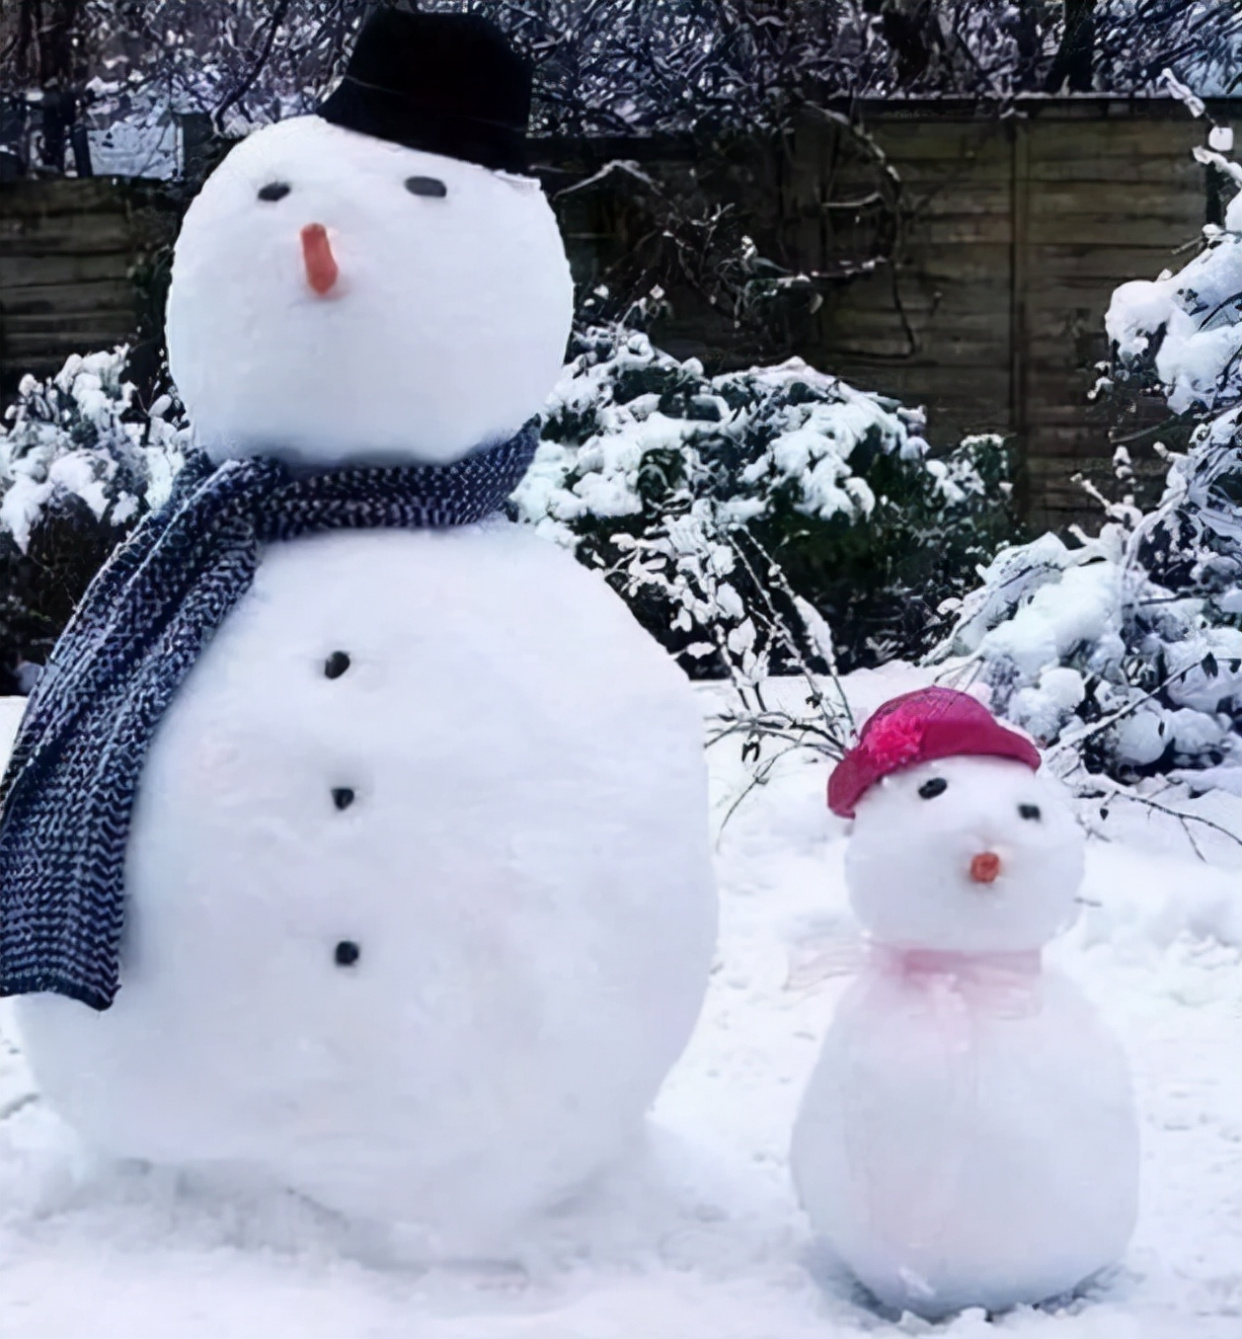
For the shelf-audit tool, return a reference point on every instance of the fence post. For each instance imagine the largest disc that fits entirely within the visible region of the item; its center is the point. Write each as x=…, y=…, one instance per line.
x=1019, y=209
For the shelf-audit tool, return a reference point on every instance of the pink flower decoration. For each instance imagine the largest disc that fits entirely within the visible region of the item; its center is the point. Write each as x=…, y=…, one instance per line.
x=894, y=740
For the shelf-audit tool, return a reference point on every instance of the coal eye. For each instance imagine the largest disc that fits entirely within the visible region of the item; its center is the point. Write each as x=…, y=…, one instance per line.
x=936, y=786
x=432, y=186
x=1030, y=811
x=274, y=190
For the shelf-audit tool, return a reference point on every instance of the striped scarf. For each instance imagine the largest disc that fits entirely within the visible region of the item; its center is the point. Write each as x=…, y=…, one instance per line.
x=69, y=790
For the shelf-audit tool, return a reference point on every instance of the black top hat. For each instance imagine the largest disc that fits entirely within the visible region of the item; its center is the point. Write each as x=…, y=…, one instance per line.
x=446, y=83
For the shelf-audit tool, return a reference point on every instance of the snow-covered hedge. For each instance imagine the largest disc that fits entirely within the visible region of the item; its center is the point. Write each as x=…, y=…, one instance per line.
x=740, y=515
x=80, y=462
x=1128, y=647
x=728, y=508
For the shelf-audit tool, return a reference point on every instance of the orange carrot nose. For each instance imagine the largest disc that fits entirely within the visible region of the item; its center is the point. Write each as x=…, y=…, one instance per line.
x=985, y=867
x=321, y=270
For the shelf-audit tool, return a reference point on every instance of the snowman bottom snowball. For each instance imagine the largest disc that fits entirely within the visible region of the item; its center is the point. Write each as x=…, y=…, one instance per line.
x=385, y=850
x=968, y=1137
x=420, y=907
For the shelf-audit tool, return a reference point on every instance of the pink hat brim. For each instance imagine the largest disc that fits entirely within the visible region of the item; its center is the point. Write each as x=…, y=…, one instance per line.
x=933, y=723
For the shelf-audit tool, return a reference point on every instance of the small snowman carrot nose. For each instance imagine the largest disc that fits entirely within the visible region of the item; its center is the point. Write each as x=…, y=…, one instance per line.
x=321, y=268
x=985, y=867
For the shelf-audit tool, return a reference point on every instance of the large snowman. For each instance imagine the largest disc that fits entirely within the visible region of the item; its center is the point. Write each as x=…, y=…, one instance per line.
x=968, y=1137
x=417, y=900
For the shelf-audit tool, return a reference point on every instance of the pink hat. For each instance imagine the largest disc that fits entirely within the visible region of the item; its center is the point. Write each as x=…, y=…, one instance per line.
x=917, y=727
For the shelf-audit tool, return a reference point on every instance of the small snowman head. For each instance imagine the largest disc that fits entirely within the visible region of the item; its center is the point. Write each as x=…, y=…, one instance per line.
x=958, y=844
x=377, y=283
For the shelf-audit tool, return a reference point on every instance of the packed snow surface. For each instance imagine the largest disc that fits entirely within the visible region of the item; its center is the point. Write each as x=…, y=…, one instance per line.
x=420, y=908
x=703, y=1237
x=968, y=1136
x=445, y=327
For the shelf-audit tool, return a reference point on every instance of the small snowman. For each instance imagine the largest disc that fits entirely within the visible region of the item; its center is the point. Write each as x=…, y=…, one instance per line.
x=968, y=1137
x=370, y=826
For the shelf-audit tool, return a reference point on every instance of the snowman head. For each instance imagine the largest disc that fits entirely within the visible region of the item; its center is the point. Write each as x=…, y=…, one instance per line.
x=958, y=844
x=376, y=283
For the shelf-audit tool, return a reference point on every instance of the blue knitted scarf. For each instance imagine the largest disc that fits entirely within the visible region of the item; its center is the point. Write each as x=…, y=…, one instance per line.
x=69, y=790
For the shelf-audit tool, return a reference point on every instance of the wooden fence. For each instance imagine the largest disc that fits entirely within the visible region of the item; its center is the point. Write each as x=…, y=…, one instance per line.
x=1012, y=234
x=1017, y=232
x=77, y=262
x=988, y=306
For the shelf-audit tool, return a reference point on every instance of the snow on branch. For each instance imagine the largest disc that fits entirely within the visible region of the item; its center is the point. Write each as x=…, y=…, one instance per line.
x=1124, y=652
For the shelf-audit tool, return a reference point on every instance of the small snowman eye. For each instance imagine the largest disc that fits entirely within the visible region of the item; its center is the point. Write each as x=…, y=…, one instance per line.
x=274, y=190
x=431, y=186
x=1030, y=811
x=936, y=786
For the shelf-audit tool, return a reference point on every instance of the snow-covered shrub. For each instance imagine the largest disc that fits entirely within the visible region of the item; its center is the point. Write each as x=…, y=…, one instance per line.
x=1128, y=647
x=80, y=462
x=737, y=512
x=741, y=516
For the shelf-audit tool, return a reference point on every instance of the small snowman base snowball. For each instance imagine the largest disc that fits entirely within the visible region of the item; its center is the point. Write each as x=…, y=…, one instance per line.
x=968, y=1137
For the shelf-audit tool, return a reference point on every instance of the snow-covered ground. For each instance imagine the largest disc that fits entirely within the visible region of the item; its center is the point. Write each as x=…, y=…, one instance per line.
x=702, y=1237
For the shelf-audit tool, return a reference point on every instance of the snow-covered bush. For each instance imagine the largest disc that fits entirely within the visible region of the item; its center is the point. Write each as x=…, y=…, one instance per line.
x=80, y=462
x=744, y=512
x=741, y=516
x=1128, y=647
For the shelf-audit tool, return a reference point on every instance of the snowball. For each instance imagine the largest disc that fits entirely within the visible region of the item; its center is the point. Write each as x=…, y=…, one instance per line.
x=525, y=871
x=445, y=330
x=21, y=506
x=968, y=1143
x=916, y=891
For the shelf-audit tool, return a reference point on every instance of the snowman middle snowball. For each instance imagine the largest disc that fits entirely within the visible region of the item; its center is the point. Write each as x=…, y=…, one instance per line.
x=419, y=903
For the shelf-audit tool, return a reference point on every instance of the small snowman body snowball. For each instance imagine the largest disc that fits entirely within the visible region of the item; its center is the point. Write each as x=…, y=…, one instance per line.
x=968, y=1137
x=419, y=908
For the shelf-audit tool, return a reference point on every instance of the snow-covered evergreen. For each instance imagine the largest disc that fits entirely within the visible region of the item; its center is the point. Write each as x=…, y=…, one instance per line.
x=81, y=460
x=1128, y=646
x=82, y=432
x=735, y=511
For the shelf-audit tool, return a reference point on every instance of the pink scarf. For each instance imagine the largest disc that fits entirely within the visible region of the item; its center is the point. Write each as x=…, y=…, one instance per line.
x=999, y=983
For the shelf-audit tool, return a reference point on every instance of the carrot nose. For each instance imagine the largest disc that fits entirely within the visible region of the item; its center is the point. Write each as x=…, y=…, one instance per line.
x=321, y=270
x=985, y=867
